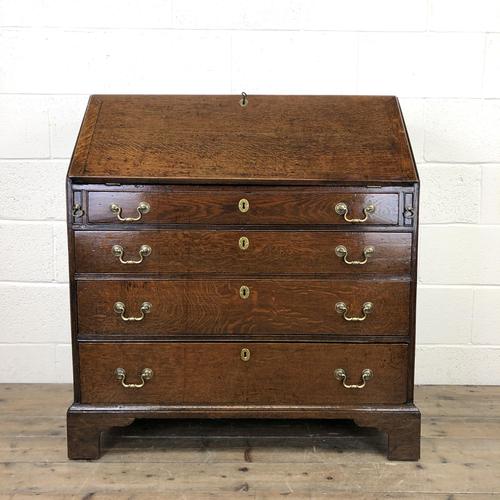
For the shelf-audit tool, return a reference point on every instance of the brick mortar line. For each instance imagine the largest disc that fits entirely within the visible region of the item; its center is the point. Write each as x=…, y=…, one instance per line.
x=439, y=346
x=236, y=94
x=298, y=29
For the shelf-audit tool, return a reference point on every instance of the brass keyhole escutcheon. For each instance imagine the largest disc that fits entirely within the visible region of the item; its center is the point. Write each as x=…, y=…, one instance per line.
x=243, y=205
x=244, y=243
x=244, y=292
x=245, y=354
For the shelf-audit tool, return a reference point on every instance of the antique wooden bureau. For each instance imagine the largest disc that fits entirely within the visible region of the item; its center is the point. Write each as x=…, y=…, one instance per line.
x=243, y=257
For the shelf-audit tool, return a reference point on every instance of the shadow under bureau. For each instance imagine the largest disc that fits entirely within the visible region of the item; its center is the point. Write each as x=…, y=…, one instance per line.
x=243, y=258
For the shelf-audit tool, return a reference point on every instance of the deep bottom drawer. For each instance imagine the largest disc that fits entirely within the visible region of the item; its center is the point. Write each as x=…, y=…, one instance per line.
x=264, y=374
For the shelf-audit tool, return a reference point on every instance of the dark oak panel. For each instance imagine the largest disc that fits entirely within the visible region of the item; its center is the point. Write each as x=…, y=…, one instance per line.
x=265, y=207
x=275, y=139
x=208, y=307
x=218, y=252
x=197, y=373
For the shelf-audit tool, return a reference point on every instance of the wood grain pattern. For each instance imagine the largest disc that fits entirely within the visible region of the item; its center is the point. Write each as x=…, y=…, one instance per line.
x=84, y=433
x=217, y=252
x=266, y=206
x=275, y=306
x=276, y=374
x=269, y=458
x=193, y=158
x=280, y=139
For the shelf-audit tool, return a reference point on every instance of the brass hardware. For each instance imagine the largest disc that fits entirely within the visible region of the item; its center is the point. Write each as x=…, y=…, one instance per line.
x=119, y=308
x=341, y=251
x=366, y=374
x=144, y=251
x=244, y=242
x=142, y=208
x=244, y=292
x=244, y=100
x=341, y=308
x=243, y=205
x=342, y=209
x=121, y=375
x=408, y=213
x=77, y=211
x=245, y=354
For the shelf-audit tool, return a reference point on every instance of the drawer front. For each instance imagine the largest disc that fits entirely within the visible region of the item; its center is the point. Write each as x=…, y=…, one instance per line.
x=243, y=306
x=272, y=374
x=243, y=207
x=242, y=252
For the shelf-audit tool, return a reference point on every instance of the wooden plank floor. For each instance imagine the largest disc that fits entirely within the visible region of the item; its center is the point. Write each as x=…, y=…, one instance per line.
x=224, y=459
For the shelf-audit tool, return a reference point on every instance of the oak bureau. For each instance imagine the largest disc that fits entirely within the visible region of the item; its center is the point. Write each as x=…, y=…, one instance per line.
x=243, y=257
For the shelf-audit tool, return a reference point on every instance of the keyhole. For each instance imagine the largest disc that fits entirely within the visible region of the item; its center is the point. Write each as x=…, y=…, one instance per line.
x=245, y=354
x=244, y=292
x=244, y=242
x=243, y=205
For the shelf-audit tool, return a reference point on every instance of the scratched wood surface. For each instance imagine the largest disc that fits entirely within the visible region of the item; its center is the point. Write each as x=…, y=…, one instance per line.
x=259, y=459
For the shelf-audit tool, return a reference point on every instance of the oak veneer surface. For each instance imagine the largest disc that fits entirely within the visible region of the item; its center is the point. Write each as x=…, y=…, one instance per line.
x=277, y=374
x=275, y=139
x=207, y=307
x=267, y=206
x=243, y=209
x=217, y=252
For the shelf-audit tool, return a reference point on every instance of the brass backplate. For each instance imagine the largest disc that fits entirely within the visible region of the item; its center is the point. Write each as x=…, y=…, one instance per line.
x=245, y=354
x=244, y=243
x=243, y=205
x=244, y=292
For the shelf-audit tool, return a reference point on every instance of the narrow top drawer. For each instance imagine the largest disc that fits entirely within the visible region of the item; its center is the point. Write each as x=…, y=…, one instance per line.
x=244, y=207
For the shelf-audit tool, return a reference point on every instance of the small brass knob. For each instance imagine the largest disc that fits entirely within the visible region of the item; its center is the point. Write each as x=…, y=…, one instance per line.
x=77, y=211
x=243, y=205
x=243, y=243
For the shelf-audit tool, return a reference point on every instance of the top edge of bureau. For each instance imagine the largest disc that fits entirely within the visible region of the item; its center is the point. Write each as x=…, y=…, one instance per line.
x=274, y=140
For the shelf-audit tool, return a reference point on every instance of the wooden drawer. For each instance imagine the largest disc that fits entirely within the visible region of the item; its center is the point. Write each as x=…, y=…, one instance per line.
x=220, y=252
x=266, y=306
x=211, y=374
x=261, y=206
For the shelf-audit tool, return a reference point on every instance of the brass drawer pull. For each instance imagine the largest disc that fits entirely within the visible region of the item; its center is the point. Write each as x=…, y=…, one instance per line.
x=144, y=251
x=143, y=208
x=342, y=308
x=244, y=292
x=245, y=354
x=366, y=374
x=243, y=205
x=342, y=209
x=119, y=308
x=121, y=375
x=77, y=211
x=244, y=243
x=341, y=251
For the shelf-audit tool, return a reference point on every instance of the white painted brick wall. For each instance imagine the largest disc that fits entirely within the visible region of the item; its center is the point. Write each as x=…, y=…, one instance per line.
x=442, y=57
